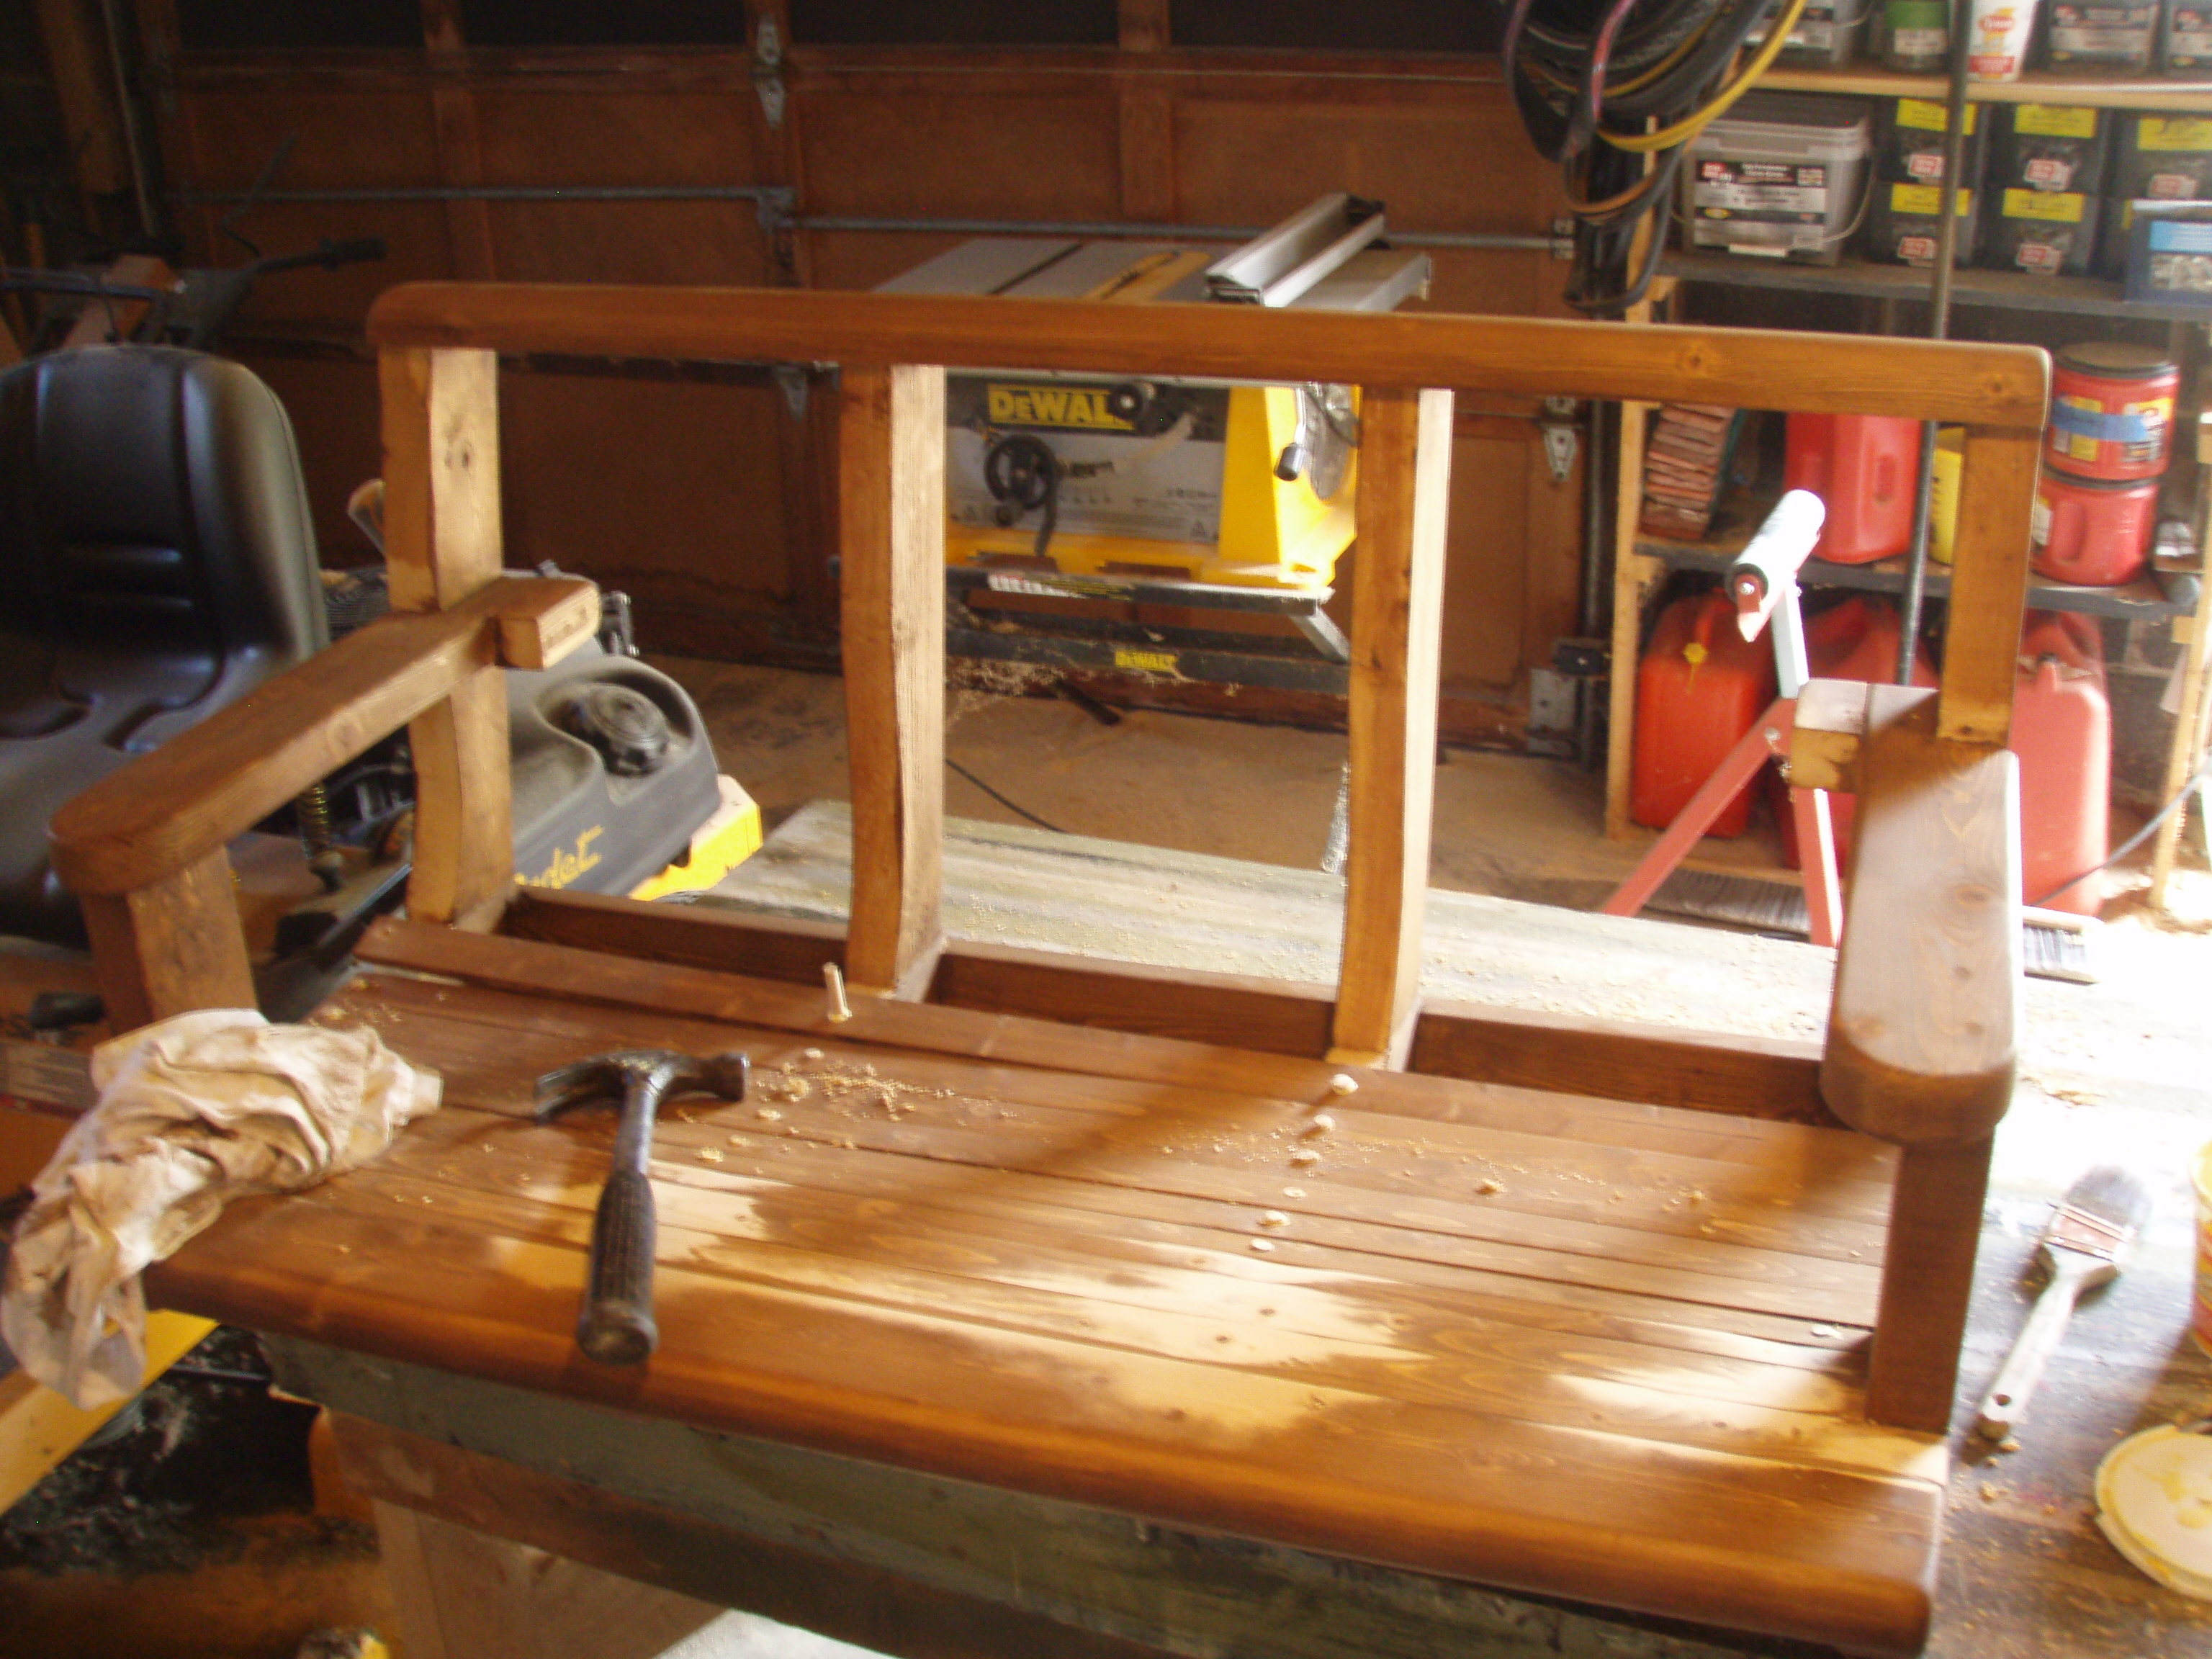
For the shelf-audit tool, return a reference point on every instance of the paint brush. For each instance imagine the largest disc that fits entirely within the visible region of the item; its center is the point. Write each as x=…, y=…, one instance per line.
x=2086, y=1244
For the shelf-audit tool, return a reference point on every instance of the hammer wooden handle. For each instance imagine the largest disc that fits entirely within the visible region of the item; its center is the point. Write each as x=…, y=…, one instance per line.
x=616, y=1327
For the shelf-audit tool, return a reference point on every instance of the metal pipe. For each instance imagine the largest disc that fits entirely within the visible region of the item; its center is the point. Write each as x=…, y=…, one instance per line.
x=498, y=193
x=1939, y=327
x=1492, y=241
x=126, y=109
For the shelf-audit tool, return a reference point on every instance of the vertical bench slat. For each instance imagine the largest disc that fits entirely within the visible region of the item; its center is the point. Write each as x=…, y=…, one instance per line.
x=1989, y=586
x=1397, y=615
x=891, y=541
x=442, y=542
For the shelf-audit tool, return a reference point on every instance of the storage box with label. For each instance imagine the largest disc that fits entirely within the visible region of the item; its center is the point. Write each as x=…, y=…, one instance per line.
x=2044, y=233
x=1904, y=221
x=1778, y=176
x=2164, y=158
x=2170, y=253
x=2053, y=147
x=1909, y=141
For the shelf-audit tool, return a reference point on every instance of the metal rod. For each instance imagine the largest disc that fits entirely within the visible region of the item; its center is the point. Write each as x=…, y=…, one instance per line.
x=1939, y=327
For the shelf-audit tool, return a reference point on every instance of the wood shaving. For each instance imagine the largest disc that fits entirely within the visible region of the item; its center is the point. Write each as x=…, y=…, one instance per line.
x=768, y=1114
x=1303, y=1158
x=1273, y=1218
x=1344, y=1084
x=1263, y=1245
x=710, y=1155
x=1491, y=1184
x=1322, y=1124
x=1294, y=1192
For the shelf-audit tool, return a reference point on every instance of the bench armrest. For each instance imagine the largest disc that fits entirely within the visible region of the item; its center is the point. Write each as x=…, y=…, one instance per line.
x=170, y=809
x=1922, y=1044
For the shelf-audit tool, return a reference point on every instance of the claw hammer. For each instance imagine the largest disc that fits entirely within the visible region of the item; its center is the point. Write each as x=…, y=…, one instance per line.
x=615, y=1326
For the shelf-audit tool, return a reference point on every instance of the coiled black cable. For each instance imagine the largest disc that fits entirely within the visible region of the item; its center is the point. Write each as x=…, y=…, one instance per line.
x=1592, y=80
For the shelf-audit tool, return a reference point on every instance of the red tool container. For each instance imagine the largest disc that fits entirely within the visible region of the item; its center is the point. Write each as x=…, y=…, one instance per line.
x=2062, y=730
x=1700, y=685
x=2090, y=531
x=1855, y=640
x=1864, y=468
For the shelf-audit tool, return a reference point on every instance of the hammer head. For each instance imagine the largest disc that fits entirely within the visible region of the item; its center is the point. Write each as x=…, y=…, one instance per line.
x=657, y=1074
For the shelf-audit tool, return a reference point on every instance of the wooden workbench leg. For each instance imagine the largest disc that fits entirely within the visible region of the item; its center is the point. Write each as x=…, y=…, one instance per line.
x=891, y=467
x=171, y=947
x=442, y=542
x=1405, y=483
x=1927, y=1281
x=463, y=1595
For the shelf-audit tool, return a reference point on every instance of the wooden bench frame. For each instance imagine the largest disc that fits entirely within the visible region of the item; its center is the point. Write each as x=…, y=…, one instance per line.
x=1920, y=1049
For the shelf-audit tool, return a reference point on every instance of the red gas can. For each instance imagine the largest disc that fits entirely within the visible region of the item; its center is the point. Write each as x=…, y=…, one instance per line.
x=1698, y=689
x=2092, y=532
x=1855, y=640
x=2062, y=730
x=1864, y=468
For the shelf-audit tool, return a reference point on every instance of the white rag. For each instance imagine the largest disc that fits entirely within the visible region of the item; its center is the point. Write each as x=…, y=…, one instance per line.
x=193, y=1111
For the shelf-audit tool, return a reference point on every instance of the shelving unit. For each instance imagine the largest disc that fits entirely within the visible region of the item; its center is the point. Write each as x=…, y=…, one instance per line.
x=2010, y=290
x=1642, y=562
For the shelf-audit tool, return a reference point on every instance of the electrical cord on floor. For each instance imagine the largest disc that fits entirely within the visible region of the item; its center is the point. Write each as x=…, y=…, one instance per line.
x=2196, y=783
x=1011, y=807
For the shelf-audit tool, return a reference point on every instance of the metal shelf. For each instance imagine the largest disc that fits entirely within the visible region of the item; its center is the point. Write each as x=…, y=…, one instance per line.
x=2010, y=290
x=2142, y=599
x=2035, y=87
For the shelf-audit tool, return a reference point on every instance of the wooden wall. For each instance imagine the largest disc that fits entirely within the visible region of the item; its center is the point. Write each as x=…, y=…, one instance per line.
x=689, y=491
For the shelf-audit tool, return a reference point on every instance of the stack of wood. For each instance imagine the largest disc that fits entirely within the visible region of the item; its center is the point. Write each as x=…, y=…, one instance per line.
x=1683, y=469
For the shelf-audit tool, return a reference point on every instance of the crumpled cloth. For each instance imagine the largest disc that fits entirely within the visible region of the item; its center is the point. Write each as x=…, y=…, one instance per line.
x=193, y=1111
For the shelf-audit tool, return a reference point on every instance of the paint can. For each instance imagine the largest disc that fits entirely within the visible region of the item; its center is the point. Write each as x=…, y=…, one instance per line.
x=2154, y=1504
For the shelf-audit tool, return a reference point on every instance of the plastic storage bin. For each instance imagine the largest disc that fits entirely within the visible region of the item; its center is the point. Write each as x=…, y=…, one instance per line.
x=2117, y=39
x=1826, y=36
x=2062, y=730
x=1779, y=175
x=1864, y=468
x=1699, y=687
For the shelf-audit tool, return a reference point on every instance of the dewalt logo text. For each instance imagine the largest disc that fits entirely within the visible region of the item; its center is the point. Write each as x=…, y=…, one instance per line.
x=1079, y=406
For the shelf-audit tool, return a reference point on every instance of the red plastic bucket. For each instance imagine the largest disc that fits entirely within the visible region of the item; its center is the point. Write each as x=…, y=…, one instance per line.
x=2094, y=534
x=2111, y=410
x=1864, y=468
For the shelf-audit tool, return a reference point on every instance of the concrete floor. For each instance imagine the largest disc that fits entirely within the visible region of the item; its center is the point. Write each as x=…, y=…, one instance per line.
x=1509, y=826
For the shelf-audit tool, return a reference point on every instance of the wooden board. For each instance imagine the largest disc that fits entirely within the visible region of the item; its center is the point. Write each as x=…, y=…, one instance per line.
x=1461, y=1341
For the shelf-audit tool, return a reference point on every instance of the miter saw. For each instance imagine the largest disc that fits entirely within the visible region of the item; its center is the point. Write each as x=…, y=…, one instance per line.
x=1140, y=494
